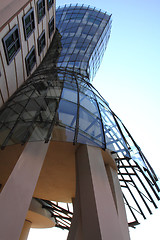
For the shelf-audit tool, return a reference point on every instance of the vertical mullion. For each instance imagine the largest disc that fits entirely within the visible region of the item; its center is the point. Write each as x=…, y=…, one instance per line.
x=54, y=118
x=104, y=139
x=77, y=120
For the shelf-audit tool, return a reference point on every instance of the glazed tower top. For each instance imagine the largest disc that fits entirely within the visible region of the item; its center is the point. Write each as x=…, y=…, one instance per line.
x=85, y=32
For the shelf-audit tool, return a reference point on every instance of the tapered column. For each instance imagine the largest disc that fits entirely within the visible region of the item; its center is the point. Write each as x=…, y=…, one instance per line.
x=97, y=211
x=17, y=193
x=118, y=198
x=75, y=231
x=25, y=230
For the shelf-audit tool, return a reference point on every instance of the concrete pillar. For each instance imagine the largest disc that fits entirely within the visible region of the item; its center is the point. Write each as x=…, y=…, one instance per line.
x=17, y=193
x=75, y=231
x=96, y=210
x=119, y=203
x=25, y=230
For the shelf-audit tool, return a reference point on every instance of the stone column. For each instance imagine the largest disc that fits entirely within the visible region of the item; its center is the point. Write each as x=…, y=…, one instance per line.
x=17, y=193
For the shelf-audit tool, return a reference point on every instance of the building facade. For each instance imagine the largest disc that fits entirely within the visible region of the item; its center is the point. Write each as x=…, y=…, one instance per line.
x=27, y=29
x=58, y=125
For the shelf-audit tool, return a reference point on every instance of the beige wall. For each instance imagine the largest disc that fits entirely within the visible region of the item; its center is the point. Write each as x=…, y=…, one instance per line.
x=14, y=74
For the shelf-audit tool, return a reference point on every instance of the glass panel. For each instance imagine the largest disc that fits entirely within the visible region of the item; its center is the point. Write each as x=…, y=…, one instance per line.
x=90, y=124
x=63, y=134
x=11, y=51
x=88, y=103
x=5, y=130
x=86, y=139
x=9, y=40
x=69, y=95
x=39, y=132
x=28, y=19
x=67, y=113
x=70, y=85
x=8, y=115
x=50, y=2
x=20, y=131
x=28, y=29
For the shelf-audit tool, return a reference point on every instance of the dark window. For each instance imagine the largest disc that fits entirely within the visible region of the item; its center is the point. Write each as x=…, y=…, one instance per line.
x=30, y=60
x=11, y=43
x=28, y=23
x=51, y=26
x=41, y=42
x=40, y=9
x=50, y=3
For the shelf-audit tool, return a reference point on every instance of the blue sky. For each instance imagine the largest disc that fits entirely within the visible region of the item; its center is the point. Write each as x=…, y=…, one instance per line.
x=129, y=79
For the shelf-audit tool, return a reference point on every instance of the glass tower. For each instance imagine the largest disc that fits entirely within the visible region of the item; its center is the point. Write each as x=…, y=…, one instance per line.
x=59, y=103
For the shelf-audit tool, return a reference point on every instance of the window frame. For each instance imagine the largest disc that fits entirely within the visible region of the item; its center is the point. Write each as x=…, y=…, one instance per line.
x=32, y=24
x=49, y=3
x=28, y=58
x=39, y=41
x=49, y=26
x=38, y=10
x=15, y=43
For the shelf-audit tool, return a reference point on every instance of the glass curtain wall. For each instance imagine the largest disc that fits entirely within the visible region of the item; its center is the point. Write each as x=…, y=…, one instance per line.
x=58, y=102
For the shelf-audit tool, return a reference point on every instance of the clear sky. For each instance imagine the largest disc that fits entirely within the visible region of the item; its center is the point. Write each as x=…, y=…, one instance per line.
x=129, y=79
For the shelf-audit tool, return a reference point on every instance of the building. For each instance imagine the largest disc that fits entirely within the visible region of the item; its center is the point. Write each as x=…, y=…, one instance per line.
x=60, y=141
x=27, y=29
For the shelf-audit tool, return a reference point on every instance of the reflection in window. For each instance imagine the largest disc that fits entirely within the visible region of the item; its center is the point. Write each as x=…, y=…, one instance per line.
x=67, y=113
x=28, y=23
x=41, y=42
x=11, y=43
x=90, y=124
x=69, y=95
x=51, y=26
x=89, y=103
x=30, y=60
x=40, y=9
x=49, y=3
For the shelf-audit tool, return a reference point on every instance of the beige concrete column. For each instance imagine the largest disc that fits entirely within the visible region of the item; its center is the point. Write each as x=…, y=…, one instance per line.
x=118, y=198
x=98, y=211
x=75, y=231
x=17, y=193
x=25, y=230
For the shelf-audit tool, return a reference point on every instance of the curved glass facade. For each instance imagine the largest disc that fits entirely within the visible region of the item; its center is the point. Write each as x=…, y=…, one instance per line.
x=58, y=102
x=85, y=32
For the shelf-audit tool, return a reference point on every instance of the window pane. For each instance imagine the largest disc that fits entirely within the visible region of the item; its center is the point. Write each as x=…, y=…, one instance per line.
x=86, y=139
x=63, y=134
x=28, y=23
x=40, y=9
x=69, y=95
x=11, y=43
x=30, y=60
x=88, y=103
x=90, y=124
x=67, y=113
